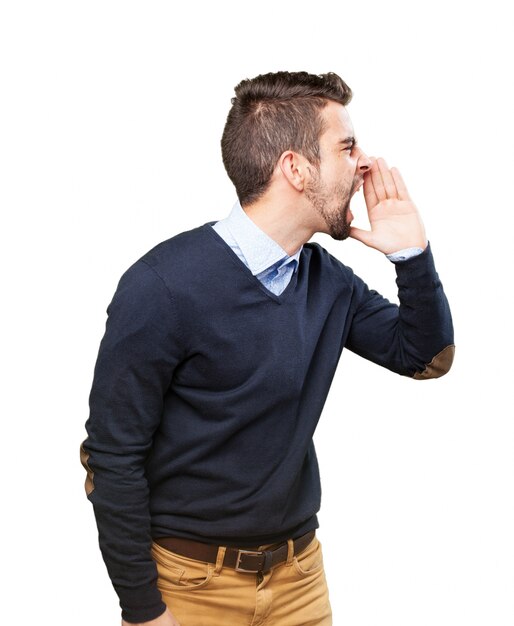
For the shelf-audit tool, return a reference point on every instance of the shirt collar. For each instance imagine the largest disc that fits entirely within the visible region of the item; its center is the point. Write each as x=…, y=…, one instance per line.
x=258, y=248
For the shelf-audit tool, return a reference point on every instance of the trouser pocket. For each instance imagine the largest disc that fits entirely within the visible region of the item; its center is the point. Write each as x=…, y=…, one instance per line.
x=177, y=572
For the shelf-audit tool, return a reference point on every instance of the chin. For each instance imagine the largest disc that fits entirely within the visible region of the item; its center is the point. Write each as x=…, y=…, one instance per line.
x=338, y=236
x=341, y=229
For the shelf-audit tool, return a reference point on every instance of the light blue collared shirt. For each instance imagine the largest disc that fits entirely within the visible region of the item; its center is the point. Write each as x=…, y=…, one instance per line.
x=268, y=261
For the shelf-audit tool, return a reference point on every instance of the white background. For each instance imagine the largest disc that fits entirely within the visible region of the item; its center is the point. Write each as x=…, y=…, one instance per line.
x=111, y=119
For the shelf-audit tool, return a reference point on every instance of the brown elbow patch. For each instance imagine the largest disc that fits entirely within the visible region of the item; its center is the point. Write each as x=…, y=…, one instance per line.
x=439, y=365
x=84, y=457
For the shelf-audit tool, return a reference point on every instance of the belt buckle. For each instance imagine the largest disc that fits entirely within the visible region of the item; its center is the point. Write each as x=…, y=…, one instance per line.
x=240, y=554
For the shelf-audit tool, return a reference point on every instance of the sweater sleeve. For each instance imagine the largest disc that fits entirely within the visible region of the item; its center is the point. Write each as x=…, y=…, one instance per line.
x=413, y=339
x=137, y=356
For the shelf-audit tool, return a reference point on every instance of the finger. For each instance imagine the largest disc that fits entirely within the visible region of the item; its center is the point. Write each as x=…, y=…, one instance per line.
x=378, y=183
x=369, y=191
x=365, y=236
x=403, y=194
x=387, y=179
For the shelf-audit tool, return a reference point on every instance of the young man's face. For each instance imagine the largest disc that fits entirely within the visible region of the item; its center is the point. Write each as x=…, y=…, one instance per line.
x=342, y=170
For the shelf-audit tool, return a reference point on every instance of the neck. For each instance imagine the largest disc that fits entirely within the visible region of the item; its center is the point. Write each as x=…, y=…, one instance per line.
x=282, y=222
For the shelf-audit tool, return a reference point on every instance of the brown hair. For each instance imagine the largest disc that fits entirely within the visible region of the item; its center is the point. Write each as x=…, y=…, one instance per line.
x=272, y=113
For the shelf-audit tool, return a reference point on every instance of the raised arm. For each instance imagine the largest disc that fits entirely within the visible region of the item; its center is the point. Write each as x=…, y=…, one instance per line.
x=416, y=338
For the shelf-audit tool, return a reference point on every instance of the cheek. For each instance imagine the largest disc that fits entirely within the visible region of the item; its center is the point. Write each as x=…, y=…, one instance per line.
x=344, y=178
x=346, y=170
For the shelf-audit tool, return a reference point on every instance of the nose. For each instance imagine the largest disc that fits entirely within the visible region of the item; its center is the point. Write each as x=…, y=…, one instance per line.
x=364, y=162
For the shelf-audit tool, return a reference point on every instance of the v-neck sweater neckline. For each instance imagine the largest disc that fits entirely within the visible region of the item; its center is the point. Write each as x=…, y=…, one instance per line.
x=280, y=298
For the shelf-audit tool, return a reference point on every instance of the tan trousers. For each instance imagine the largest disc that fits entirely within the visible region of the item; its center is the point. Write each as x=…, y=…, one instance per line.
x=293, y=593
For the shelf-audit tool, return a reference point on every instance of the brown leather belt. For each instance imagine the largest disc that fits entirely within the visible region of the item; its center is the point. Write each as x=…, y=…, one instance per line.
x=242, y=560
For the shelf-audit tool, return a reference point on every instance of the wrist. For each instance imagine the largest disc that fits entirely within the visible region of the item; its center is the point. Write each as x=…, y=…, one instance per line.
x=405, y=253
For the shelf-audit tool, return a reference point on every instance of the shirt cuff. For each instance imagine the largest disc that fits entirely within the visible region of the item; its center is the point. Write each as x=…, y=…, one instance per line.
x=403, y=255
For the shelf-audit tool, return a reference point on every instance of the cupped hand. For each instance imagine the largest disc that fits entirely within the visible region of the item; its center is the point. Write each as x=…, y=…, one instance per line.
x=394, y=219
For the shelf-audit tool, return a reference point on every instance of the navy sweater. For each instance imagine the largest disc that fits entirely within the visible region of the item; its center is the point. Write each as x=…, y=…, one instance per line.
x=208, y=388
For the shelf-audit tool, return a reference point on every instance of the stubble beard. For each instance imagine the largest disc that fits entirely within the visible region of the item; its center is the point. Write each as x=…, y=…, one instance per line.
x=338, y=224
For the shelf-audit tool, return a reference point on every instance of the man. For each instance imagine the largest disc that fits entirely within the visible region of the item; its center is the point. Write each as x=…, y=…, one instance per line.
x=219, y=351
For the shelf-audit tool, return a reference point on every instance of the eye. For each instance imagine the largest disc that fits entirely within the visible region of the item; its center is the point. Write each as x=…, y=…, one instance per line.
x=348, y=149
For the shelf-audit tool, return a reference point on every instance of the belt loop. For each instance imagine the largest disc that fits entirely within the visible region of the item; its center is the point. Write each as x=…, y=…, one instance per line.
x=290, y=552
x=219, y=560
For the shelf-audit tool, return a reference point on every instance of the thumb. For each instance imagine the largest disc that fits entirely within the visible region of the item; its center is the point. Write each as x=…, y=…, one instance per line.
x=365, y=236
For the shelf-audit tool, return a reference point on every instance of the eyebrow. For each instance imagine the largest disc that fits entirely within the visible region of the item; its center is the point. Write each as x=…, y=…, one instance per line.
x=351, y=140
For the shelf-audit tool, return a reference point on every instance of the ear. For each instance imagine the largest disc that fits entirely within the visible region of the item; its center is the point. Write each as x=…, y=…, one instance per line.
x=292, y=166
